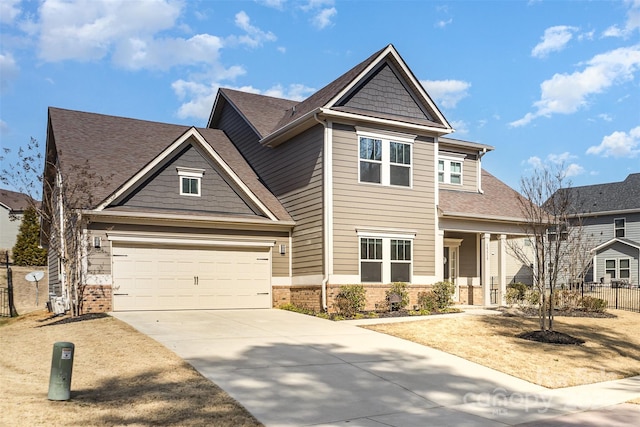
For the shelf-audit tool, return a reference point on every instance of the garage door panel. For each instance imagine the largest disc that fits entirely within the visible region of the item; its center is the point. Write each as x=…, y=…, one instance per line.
x=158, y=278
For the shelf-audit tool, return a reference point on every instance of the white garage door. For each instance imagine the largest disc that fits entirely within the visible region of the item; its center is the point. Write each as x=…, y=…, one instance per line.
x=185, y=278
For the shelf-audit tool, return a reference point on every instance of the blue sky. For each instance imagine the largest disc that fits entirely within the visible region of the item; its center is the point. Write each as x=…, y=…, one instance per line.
x=544, y=82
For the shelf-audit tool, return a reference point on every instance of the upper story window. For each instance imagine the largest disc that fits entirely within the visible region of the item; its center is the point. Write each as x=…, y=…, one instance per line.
x=385, y=159
x=450, y=169
x=619, y=227
x=190, y=181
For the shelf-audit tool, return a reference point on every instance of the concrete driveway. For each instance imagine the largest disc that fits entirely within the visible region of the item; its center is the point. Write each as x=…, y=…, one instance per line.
x=289, y=369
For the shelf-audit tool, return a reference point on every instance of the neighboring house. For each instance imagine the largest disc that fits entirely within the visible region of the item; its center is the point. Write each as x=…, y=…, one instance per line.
x=12, y=207
x=610, y=218
x=281, y=201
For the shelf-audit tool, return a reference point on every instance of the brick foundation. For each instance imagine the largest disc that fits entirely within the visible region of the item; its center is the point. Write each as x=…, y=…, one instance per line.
x=97, y=299
x=309, y=297
x=471, y=295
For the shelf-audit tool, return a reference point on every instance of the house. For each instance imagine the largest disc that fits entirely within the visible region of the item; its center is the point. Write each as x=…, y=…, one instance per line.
x=12, y=207
x=609, y=215
x=278, y=201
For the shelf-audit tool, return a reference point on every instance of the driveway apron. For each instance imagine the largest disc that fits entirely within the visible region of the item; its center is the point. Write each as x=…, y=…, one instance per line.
x=289, y=369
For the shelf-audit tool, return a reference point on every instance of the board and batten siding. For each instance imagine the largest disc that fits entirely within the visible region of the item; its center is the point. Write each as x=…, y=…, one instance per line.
x=363, y=205
x=293, y=173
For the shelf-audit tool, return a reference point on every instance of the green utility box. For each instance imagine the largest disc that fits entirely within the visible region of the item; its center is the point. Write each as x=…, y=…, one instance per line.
x=61, y=367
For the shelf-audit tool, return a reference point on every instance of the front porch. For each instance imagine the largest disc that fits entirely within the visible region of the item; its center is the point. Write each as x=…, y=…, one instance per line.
x=481, y=265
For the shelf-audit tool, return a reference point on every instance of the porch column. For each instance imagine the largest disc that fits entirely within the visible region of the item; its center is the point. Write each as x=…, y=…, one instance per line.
x=485, y=267
x=440, y=255
x=502, y=267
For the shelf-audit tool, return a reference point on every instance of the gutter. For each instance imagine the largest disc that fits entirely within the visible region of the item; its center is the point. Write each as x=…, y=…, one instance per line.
x=480, y=156
x=326, y=210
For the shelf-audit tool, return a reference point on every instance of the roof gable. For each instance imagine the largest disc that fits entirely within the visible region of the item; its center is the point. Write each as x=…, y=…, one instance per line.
x=608, y=243
x=217, y=194
x=385, y=92
x=123, y=152
x=381, y=88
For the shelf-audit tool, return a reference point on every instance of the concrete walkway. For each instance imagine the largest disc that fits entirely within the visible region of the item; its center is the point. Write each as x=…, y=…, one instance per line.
x=289, y=369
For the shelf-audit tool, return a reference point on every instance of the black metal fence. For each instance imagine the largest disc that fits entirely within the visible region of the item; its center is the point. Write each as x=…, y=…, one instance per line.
x=619, y=295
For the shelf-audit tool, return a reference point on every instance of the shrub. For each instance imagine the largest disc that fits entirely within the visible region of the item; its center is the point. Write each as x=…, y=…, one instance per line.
x=597, y=305
x=518, y=292
x=444, y=294
x=427, y=301
x=567, y=300
x=350, y=300
x=400, y=289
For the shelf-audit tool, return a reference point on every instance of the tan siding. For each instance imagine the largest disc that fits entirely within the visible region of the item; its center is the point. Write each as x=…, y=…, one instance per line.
x=469, y=176
x=369, y=205
x=293, y=172
x=99, y=258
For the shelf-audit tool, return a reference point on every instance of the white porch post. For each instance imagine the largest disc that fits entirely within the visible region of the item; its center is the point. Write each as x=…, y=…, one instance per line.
x=440, y=255
x=485, y=266
x=502, y=267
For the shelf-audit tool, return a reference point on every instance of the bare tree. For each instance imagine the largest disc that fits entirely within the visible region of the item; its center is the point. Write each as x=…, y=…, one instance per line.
x=63, y=224
x=560, y=249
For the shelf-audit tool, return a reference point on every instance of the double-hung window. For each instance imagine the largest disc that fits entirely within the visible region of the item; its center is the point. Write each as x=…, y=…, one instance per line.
x=450, y=169
x=618, y=268
x=386, y=259
x=190, y=181
x=385, y=159
x=619, y=227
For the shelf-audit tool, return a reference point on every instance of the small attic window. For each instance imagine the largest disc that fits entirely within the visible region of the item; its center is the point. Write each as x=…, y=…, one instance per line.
x=190, y=181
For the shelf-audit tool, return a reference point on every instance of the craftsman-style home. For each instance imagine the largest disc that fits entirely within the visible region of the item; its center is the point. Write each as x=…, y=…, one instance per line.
x=279, y=201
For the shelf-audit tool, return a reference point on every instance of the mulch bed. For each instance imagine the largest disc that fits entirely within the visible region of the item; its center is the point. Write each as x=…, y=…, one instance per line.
x=551, y=337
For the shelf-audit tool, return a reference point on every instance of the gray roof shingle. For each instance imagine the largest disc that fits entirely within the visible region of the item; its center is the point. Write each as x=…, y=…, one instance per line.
x=15, y=201
x=614, y=196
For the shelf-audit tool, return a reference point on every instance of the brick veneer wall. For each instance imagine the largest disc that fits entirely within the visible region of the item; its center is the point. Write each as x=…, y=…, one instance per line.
x=309, y=297
x=24, y=292
x=471, y=295
x=97, y=299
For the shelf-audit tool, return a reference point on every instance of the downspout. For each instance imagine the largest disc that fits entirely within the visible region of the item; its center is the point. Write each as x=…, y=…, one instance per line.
x=326, y=201
x=480, y=155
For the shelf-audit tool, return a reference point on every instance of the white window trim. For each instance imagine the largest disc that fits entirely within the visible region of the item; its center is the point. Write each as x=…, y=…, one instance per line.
x=190, y=173
x=617, y=267
x=623, y=228
x=386, y=252
x=448, y=159
x=387, y=138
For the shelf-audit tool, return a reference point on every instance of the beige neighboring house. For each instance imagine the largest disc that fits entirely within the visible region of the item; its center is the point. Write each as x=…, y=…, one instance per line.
x=280, y=201
x=12, y=207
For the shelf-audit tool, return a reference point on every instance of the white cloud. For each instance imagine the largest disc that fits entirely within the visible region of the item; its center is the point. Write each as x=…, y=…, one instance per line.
x=442, y=23
x=323, y=19
x=165, y=53
x=9, y=11
x=554, y=40
x=8, y=70
x=605, y=117
x=296, y=92
x=275, y=4
x=618, y=144
x=573, y=169
x=446, y=92
x=255, y=37
x=632, y=24
x=570, y=169
x=460, y=127
x=201, y=96
x=281, y=49
x=4, y=128
x=567, y=93
x=87, y=30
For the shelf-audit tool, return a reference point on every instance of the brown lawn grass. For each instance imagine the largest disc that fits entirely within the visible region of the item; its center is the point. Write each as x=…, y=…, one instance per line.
x=611, y=351
x=120, y=377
